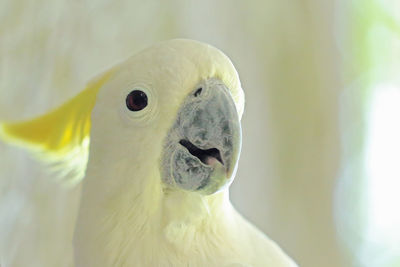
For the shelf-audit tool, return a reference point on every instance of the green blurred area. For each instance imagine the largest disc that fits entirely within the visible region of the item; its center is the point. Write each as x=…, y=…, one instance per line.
x=308, y=69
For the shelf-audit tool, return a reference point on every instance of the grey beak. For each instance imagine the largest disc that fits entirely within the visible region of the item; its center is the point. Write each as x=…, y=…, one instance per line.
x=203, y=146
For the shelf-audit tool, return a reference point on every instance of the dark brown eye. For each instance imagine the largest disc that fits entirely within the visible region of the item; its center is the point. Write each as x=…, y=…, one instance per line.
x=136, y=100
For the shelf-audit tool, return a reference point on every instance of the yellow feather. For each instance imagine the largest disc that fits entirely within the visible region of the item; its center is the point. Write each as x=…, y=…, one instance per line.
x=62, y=135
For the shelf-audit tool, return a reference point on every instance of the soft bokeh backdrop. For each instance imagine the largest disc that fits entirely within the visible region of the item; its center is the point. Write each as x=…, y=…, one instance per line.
x=319, y=167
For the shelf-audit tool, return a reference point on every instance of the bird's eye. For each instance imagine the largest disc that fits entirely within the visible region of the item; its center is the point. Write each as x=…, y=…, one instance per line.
x=136, y=100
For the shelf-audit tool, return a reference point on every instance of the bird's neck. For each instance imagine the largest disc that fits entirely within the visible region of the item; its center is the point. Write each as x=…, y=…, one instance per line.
x=143, y=213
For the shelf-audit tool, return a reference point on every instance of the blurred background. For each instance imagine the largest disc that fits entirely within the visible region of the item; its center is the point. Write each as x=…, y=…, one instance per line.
x=319, y=171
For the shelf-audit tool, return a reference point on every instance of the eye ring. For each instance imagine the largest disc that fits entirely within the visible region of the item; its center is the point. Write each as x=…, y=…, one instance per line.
x=144, y=116
x=136, y=100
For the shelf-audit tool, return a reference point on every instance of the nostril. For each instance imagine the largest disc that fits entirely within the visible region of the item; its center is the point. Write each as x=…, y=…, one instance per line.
x=198, y=92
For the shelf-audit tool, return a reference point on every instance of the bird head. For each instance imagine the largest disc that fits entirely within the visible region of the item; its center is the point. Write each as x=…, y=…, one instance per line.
x=174, y=107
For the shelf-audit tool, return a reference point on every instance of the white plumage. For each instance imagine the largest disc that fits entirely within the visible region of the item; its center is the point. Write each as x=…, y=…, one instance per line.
x=128, y=215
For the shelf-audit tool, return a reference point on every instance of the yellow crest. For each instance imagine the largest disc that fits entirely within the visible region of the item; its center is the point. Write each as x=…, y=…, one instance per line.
x=60, y=136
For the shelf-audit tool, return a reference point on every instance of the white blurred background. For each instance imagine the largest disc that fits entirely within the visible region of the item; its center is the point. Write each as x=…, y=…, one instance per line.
x=319, y=171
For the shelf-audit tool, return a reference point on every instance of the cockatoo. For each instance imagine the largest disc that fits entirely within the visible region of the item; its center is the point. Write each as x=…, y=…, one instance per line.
x=154, y=144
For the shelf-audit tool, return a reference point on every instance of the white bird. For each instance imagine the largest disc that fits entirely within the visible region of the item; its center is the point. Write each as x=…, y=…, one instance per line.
x=153, y=145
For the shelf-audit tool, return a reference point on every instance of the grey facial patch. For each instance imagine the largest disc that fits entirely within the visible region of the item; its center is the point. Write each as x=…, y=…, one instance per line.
x=188, y=171
x=208, y=120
